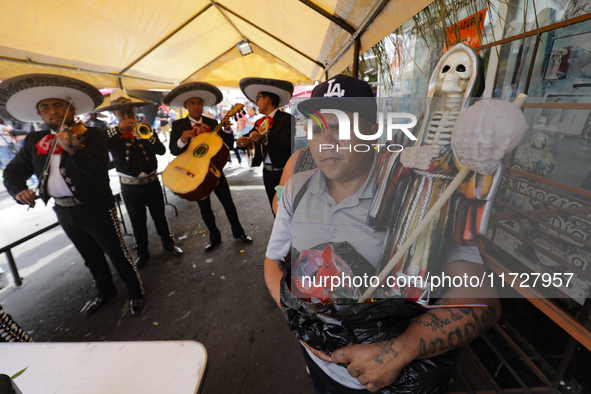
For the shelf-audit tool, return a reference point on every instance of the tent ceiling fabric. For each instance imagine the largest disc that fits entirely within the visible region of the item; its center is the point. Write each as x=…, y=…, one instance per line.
x=154, y=45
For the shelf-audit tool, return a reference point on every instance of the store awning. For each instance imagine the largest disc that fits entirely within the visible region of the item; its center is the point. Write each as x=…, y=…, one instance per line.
x=148, y=44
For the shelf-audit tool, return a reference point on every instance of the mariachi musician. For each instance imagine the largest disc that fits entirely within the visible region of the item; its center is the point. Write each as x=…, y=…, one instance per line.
x=276, y=142
x=71, y=164
x=134, y=148
x=193, y=97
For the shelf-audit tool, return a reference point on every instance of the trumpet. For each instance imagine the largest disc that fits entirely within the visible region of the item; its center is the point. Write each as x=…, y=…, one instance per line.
x=142, y=130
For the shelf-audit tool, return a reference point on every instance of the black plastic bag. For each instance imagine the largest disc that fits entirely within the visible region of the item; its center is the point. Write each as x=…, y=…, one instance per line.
x=328, y=327
x=425, y=376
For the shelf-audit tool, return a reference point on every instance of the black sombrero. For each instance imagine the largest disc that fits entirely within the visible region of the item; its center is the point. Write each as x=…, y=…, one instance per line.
x=118, y=99
x=19, y=95
x=253, y=85
x=206, y=91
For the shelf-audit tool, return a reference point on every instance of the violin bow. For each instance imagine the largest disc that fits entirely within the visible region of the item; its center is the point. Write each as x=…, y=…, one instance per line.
x=45, y=171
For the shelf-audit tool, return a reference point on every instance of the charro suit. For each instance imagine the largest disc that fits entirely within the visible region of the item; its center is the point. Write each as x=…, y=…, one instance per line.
x=279, y=145
x=134, y=157
x=222, y=190
x=91, y=220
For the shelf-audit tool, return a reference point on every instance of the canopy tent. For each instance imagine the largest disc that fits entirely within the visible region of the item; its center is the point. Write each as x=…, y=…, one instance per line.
x=148, y=44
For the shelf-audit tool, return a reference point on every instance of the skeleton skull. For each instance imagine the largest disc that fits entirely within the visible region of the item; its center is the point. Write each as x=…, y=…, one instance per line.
x=455, y=73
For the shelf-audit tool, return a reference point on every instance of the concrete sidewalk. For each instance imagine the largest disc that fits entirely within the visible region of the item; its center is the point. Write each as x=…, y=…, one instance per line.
x=217, y=298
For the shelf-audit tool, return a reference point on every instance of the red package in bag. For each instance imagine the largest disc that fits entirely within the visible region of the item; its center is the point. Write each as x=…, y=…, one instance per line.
x=315, y=274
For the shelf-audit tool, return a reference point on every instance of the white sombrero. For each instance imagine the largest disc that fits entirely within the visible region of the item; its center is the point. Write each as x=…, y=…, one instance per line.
x=206, y=91
x=19, y=95
x=253, y=85
x=118, y=99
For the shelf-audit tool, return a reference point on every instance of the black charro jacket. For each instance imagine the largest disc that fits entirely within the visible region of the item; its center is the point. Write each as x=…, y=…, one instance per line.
x=133, y=156
x=280, y=141
x=85, y=172
x=178, y=126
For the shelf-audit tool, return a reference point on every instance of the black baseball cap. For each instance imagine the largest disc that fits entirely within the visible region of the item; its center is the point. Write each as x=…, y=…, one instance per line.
x=345, y=93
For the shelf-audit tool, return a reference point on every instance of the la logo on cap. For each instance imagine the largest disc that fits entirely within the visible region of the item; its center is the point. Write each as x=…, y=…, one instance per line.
x=334, y=91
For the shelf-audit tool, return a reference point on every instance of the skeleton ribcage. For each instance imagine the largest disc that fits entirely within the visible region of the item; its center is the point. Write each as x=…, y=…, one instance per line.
x=439, y=132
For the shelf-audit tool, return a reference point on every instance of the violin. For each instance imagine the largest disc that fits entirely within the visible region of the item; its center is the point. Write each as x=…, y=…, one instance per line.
x=77, y=129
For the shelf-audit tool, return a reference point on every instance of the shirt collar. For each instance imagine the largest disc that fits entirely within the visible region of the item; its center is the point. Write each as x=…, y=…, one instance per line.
x=195, y=121
x=272, y=114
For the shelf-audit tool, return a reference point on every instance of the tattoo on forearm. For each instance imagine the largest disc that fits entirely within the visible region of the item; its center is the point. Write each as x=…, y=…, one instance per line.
x=455, y=316
x=430, y=348
x=436, y=323
x=455, y=338
x=473, y=327
x=386, y=348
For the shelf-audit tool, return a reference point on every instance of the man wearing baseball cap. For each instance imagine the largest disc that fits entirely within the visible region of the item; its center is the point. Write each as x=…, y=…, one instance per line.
x=331, y=205
x=71, y=162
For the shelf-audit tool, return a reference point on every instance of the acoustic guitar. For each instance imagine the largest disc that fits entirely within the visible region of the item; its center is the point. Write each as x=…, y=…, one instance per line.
x=195, y=173
x=254, y=151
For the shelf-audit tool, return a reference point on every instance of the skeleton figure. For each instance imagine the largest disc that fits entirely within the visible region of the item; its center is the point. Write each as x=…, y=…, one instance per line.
x=535, y=156
x=454, y=77
x=423, y=172
x=451, y=81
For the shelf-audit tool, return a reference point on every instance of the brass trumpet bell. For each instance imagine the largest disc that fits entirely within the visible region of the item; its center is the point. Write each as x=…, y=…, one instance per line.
x=142, y=130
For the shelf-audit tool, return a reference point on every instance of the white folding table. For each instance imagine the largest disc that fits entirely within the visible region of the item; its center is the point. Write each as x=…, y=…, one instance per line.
x=105, y=367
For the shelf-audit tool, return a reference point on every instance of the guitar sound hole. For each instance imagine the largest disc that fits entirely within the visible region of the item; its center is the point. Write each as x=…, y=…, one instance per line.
x=200, y=150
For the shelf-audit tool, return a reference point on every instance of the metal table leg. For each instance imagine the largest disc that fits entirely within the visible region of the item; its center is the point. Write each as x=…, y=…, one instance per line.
x=17, y=279
x=176, y=212
x=118, y=202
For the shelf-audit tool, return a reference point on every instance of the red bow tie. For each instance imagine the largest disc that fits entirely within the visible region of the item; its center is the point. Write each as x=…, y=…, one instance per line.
x=128, y=134
x=199, y=128
x=44, y=145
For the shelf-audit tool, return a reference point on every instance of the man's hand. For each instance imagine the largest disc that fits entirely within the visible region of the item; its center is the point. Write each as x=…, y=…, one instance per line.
x=27, y=197
x=187, y=135
x=243, y=142
x=431, y=333
x=258, y=138
x=69, y=144
x=321, y=355
x=374, y=365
